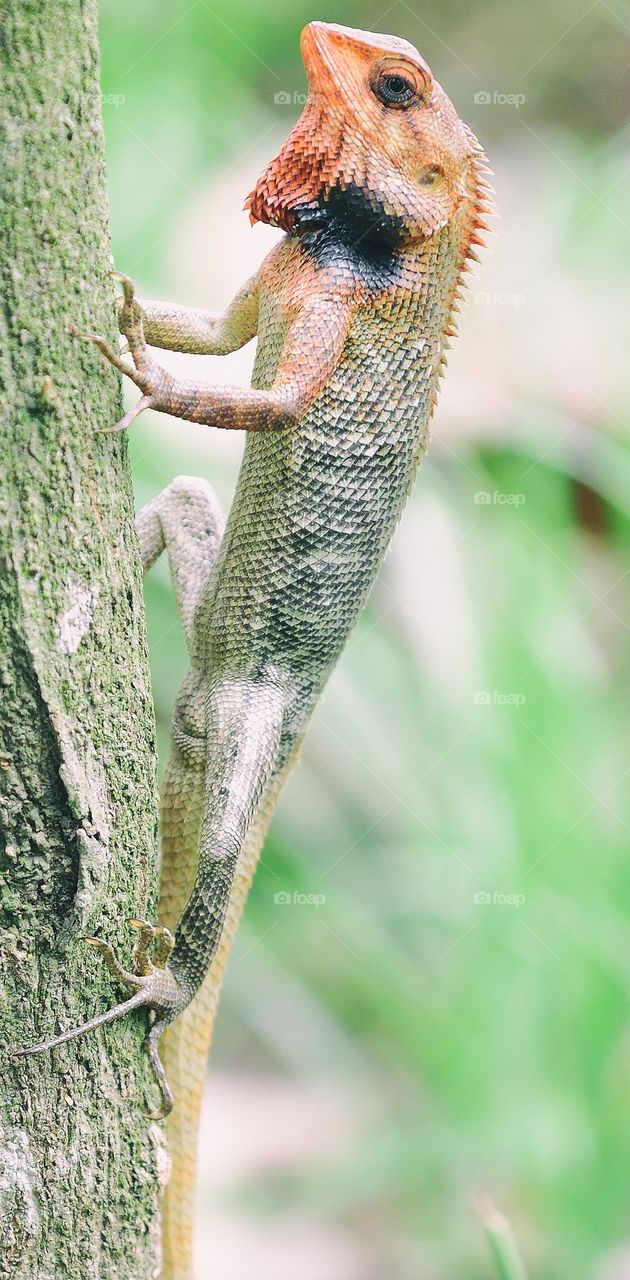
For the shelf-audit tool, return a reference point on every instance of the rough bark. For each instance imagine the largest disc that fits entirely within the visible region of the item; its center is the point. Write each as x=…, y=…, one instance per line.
x=80, y=1163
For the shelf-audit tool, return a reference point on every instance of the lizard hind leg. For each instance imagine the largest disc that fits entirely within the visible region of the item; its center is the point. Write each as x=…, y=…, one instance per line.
x=186, y=520
x=150, y=955
x=153, y=986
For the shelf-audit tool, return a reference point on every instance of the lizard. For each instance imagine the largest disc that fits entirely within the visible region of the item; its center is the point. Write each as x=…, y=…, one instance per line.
x=383, y=195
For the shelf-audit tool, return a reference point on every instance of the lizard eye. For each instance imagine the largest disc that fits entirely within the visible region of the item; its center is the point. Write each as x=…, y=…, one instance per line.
x=393, y=89
x=398, y=84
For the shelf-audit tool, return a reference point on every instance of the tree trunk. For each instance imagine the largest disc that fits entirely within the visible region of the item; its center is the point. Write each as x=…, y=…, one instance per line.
x=80, y=1164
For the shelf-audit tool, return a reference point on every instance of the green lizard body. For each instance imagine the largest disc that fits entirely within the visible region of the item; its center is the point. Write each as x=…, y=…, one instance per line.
x=313, y=513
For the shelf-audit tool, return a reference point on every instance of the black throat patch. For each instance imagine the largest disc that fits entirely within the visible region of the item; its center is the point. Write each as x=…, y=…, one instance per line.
x=352, y=225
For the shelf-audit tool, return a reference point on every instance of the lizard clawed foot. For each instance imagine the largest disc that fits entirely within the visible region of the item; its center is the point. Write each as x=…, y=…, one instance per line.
x=151, y=934
x=131, y=319
x=154, y=986
x=154, y=381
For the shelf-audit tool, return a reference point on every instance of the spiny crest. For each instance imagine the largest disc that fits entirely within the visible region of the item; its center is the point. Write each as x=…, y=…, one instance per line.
x=480, y=207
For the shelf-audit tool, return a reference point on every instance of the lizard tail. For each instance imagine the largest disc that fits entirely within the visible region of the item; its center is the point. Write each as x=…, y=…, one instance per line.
x=182, y=1050
x=185, y=1045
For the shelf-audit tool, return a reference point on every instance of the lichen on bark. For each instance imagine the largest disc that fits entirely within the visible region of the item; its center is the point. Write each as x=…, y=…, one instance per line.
x=80, y=1164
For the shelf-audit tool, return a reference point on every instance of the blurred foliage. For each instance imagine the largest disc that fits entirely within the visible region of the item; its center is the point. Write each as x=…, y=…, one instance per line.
x=462, y=803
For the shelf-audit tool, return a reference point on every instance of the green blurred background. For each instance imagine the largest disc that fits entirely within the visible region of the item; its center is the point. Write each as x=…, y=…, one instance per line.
x=449, y=1016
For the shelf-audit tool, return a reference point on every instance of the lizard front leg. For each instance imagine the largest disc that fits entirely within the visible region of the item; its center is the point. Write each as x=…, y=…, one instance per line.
x=177, y=328
x=312, y=347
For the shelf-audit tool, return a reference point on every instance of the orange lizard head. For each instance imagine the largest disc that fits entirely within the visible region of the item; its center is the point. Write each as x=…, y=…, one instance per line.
x=378, y=141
